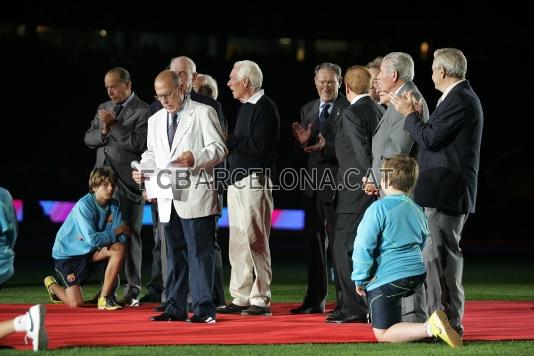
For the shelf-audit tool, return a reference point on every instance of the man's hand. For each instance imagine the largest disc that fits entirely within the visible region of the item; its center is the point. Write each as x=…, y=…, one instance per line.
x=404, y=104
x=124, y=229
x=301, y=134
x=361, y=291
x=186, y=159
x=137, y=177
x=418, y=106
x=369, y=187
x=107, y=117
x=317, y=147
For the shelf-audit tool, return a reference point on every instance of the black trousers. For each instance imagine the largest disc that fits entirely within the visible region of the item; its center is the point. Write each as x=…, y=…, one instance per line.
x=346, y=226
x=320, y=236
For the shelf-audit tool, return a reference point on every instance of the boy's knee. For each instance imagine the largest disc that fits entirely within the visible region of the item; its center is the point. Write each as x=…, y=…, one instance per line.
x=380, y=335
x=75, y=303
x=118, y=248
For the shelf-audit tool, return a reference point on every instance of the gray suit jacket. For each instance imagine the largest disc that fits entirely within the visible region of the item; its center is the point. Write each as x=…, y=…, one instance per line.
x=390, y=138
x=124, y=143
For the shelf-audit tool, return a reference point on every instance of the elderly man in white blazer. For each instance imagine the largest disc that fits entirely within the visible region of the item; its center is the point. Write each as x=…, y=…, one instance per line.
x=188, y=135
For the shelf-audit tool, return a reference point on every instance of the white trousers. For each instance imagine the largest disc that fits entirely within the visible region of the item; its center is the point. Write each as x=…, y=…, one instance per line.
x=250, y=206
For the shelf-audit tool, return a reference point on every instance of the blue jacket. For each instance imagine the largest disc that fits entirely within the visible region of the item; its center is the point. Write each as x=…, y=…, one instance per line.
x=389, y=242
x=88, y=227
x=8, y=235
x=449, y=152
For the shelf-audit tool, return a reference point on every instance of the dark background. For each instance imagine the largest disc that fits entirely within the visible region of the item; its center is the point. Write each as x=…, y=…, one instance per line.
x=53, y=62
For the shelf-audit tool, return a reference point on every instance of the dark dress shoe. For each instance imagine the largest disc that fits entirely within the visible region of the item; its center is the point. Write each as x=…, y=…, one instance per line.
x=205, y=319
x=165, y=317
x=257, y=310
x=231, y=309
x=334, y=313
x=305, y=309
x=161, y=307
x=342, y=318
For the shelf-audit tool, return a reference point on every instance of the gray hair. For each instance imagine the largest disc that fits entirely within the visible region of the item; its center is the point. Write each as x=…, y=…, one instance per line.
x=176, y=79
x=452, y=61
x=400, y=62
x=209, y=87
x=189, y=64
x=124, y=76
x=375, y=63
x=329, y=66
x=251, y=71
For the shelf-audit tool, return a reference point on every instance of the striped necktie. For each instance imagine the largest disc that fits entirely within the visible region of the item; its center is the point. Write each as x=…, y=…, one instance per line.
x=323, y=117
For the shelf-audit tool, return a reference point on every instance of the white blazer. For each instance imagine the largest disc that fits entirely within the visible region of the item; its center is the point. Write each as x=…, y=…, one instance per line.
x=198, y=131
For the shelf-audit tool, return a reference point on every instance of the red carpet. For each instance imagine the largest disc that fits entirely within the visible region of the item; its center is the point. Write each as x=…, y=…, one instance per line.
x=67, y=327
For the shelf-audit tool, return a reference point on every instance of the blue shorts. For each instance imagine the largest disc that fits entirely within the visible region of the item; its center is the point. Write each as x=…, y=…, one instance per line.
x=385, y=301
x=75, y=270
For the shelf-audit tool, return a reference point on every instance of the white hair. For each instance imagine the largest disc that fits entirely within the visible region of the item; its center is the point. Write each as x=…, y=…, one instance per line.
x=251, y=71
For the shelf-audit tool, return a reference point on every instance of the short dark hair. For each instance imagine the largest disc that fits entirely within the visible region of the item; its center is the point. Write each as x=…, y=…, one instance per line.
x=401, y=172
x=99, y=176
x=124, y=76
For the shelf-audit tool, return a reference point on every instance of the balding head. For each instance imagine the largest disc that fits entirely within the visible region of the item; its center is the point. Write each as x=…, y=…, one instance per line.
x=169, y=90
x=168, y=76
x=186, y=69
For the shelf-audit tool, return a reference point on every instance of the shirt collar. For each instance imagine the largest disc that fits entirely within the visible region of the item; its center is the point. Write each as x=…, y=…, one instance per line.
x=257, y=96
x=448, y=90
x=125, y=102
x=179, y=112
x=358, y=97
x=398, y=90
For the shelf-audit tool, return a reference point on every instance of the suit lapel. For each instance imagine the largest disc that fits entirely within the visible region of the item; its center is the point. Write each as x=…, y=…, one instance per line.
x=313, y=117
x=186, y=120
x=161, y=128
x=334, y=116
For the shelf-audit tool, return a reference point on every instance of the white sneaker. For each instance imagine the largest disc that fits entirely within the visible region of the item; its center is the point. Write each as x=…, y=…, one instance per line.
x=36, y=330
x=134, y=303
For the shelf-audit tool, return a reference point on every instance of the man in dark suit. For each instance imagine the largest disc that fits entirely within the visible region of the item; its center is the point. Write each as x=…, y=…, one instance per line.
x=319, y=201
x=187, y=70
x=353, y=152
x=448, y=160
x=118, y=134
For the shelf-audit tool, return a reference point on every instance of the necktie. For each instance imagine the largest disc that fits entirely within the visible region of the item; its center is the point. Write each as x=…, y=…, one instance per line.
x=323, y=117
x=117, y=110
x=171, y=129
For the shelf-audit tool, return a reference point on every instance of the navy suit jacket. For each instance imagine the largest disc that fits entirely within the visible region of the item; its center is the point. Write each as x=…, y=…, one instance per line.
x=353, y=152
x=325, y=159
x=449, y=152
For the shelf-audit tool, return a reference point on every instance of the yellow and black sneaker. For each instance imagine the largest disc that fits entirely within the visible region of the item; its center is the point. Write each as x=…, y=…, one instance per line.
x=108, y=303
x=441, y=328
x=48, y=281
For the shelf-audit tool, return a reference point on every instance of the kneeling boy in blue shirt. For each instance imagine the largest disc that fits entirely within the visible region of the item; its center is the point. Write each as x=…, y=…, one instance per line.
x=93, y=232
x=388, y=259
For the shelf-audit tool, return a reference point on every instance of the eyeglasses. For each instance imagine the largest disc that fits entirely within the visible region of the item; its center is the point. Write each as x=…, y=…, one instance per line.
x=167, y=96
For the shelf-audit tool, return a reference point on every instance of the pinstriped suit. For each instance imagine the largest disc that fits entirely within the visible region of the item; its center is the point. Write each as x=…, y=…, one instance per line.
x=124, y=143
